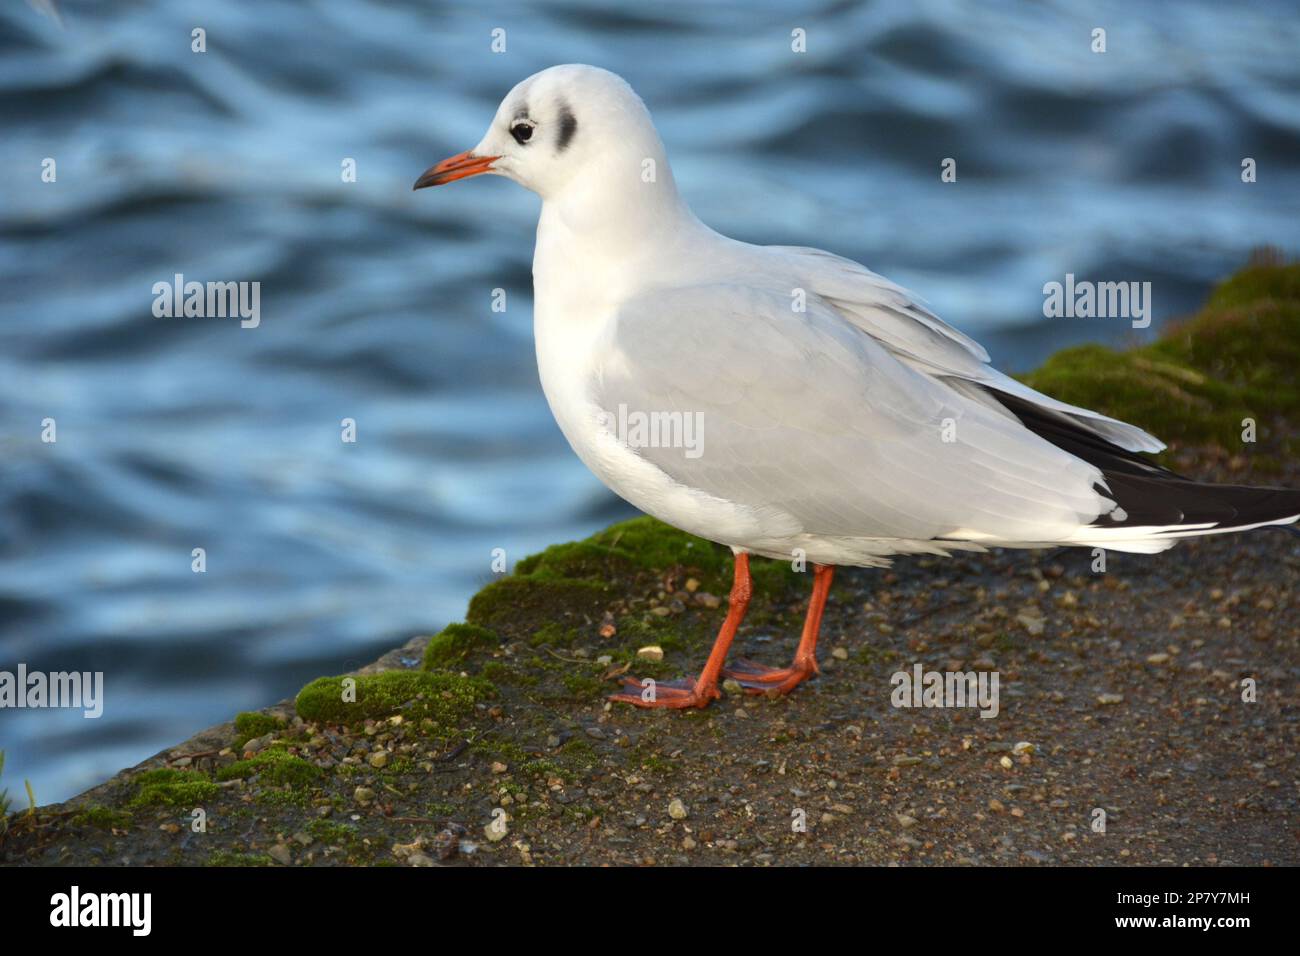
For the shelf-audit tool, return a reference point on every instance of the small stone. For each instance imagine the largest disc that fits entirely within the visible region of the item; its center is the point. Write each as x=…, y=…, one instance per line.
x=1109, y=700
x=1033, y=622
x=364, y=796
x=379, y=759
x=688, y=844
x=1157, y=658
x=499, y=767
x=661, y=611
x=692, y=585
x=280, y=853
x=1006, y=763
x=677, y=809
x=732, y=687
x=651, y=653
x=905, y=761
x=498, y=829
x=905, y=821
x=840, y=654
x=257, y=744
x=419, y=859
x=1023, y=747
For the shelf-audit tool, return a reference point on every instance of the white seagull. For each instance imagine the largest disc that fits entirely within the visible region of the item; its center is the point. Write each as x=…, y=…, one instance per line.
x=836, y=418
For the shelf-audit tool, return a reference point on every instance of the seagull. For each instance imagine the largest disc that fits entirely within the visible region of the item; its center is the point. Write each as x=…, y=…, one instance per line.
x=787, y=402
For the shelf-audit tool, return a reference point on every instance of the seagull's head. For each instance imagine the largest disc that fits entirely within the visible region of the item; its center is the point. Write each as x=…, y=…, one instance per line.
x=565, y=125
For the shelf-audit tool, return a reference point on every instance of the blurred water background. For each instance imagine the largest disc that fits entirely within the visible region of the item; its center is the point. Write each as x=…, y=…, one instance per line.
x=376, y=302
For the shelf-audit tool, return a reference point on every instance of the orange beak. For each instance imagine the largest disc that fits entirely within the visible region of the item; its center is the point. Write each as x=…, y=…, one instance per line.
x=460, y=166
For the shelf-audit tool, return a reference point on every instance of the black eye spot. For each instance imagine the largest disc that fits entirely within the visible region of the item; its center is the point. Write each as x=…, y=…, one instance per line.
x=568, y=127
x=522, y=132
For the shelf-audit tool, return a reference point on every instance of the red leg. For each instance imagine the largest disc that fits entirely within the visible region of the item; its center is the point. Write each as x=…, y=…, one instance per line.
x=701, y=691
x=757, y=679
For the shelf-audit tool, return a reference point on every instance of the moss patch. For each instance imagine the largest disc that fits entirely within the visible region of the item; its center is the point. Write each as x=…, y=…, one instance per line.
x=250, y=724
x=454, y=643
x=104, y=818
x=175, y=788
x=1235, y=359
x=505, y=601
x=276, y=767
x=445, y=699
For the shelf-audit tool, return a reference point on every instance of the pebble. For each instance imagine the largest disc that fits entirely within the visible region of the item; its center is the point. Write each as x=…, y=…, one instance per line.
x=1023, y=747
x=651, y=653
x=497, y=828
x=905, y=821
x=499, y=767
x=1033, y=623
x=1107, y=700
x=1157, y=658
x=840, y=654
x=379, y=759
x=280, y=853
x=364, y=796
x=677, y=809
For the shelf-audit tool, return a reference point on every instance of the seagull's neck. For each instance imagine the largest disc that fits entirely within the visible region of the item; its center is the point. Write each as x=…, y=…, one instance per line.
x=619, y=210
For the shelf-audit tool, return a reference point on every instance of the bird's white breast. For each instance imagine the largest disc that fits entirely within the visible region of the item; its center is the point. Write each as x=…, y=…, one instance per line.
x=578, y=289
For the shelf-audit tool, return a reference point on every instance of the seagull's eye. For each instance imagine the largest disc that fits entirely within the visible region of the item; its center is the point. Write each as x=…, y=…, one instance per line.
x=522, y=132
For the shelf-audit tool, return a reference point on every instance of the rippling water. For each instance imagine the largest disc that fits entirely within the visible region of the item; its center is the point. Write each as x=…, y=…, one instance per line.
x=175, y=434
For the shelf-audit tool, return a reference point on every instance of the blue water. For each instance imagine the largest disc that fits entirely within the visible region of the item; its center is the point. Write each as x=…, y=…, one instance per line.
x=175, y=434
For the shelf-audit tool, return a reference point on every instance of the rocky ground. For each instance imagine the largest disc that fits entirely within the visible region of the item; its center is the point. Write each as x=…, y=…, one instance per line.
x=1158, y=695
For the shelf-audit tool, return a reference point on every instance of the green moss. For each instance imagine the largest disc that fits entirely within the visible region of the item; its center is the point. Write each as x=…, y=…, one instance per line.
x=1235, y=359
x=639, y=543
x=445, y=699
x=250, y=724
x=499, y=672
x=334, y=834
x=554, y=635
x=104, y=818
x=510, y=600
x=454, y=643
x=275, y=767
x=232, y=858
x=176, y=788
x=283, y=799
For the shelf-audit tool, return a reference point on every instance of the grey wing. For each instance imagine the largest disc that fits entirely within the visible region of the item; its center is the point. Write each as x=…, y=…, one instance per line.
x=806, y=413
x=903, y=324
